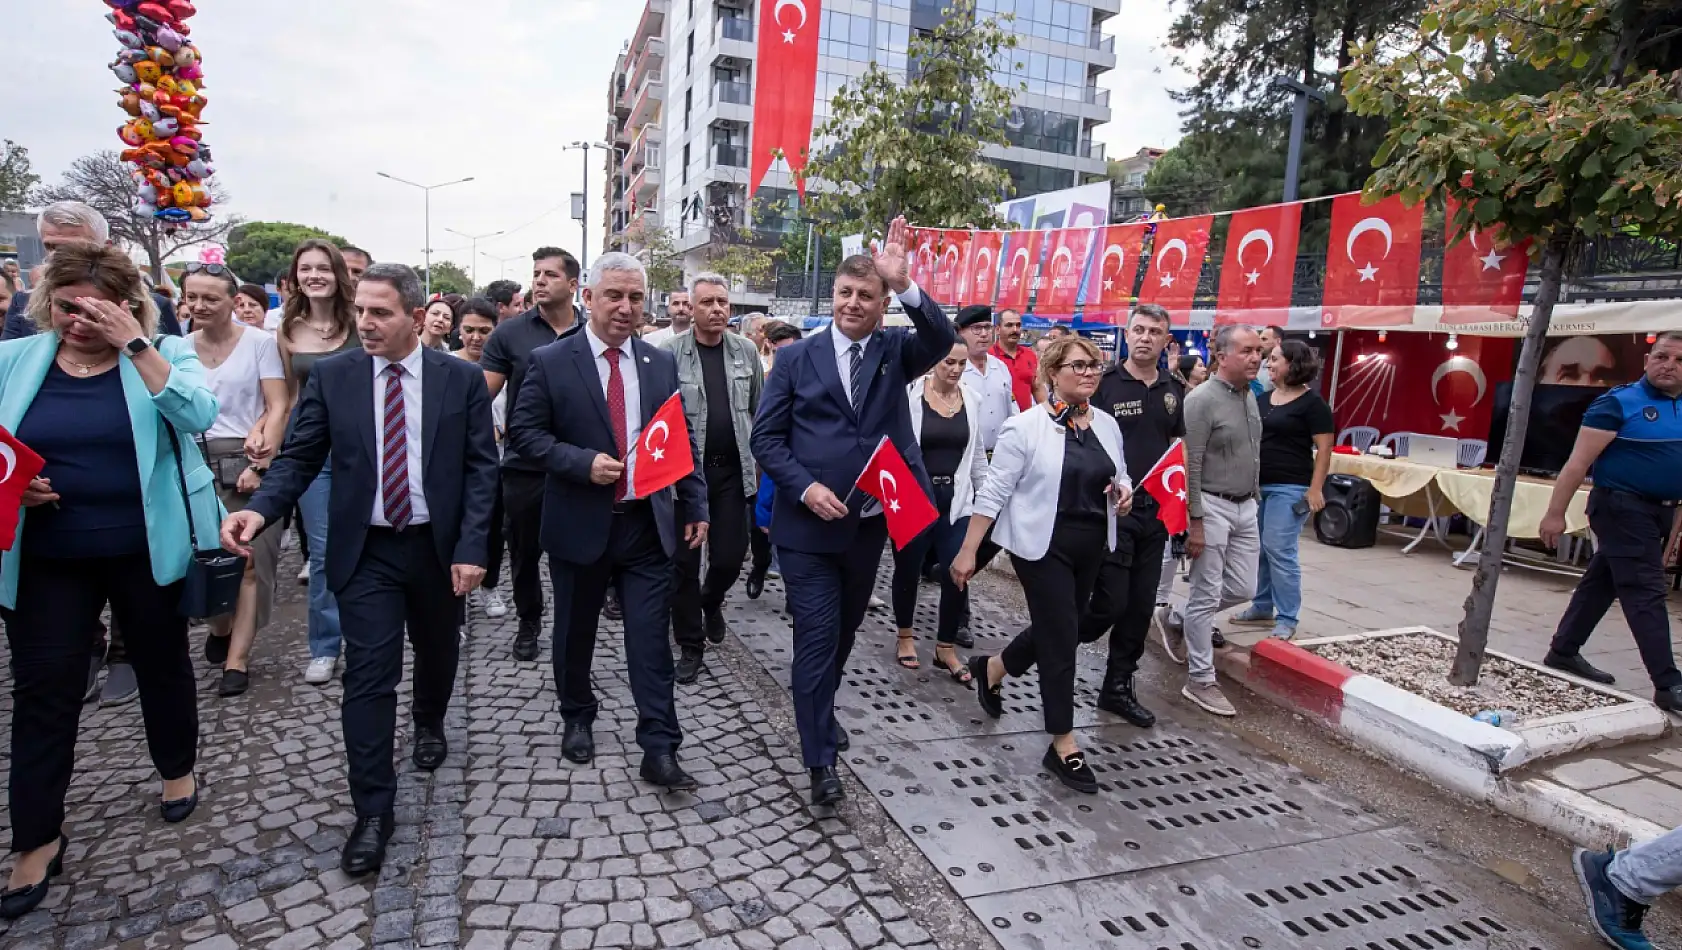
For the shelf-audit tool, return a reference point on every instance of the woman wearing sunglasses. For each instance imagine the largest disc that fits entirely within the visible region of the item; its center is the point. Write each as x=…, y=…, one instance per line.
x=242, y=367
x=1053, y=489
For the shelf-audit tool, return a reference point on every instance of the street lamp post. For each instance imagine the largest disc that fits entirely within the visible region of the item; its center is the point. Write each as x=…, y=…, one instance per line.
x=1299, y=117
x=475, y=238
x=585, y=147
x=427, y=191
x=502, y=262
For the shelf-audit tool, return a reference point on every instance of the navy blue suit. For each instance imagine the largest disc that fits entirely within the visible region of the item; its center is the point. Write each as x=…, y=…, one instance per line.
x=561, y=418
x=809, y=432
x=388, y=580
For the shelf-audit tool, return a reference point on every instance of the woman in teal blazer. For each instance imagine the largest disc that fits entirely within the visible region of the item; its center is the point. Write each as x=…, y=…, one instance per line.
x=105, y=523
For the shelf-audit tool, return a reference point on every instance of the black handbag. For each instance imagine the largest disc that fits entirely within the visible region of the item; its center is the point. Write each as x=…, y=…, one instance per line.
x=211, y=587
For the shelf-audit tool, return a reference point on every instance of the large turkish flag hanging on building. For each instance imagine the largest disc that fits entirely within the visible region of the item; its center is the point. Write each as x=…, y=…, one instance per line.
x=981, y=269
x=1065, y=266
x=1372, y=262
x=786, y=79
x=1118, y=267
x=1483, y=281
x=1021, y=256
x=1260, y=262
x=1176, y=262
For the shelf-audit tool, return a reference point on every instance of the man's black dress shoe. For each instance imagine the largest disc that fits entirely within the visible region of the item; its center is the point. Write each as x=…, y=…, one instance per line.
x=662, y=769
x=611, y=608
x=843, y=742
x=755, y=584
x=1118, y=697
x=430, y=747
x=1669, y=700
x=365, y=849
x=1577, y=666
x=525, y=641
x=21, y=900
x=826, y=786
x=689, y=666
x=577, y=745
x=965, y=638
x=715, y=626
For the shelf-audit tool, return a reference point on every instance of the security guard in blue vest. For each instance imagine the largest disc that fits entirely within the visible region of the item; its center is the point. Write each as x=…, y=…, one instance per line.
x=1632, y=438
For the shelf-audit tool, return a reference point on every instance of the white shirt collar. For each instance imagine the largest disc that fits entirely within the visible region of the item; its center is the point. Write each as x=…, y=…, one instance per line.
x=844, y=342
x=598, y=346
x=411, y=364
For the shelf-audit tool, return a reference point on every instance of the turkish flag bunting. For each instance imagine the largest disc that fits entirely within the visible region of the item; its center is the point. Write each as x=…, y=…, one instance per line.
x=1064, y=269
x=1176, y=262
x=951, y=250
x=22, y=465
x=1021, y=256
x=662, y=455
x=1118, y=269
x=920, y=254
x=981, y=270
x=1169, y=490
x=888, y=479
x=1260, y=261
x=1483, y=281
x=785, y=82
x=1372, y=262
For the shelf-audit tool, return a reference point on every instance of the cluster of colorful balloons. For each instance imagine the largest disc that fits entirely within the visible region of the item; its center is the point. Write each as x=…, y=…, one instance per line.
x=162, y=77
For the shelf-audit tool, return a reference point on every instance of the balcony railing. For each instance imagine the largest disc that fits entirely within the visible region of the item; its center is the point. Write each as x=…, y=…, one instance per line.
x=1102, y=43
x=1098, y=97
x=1093, y=150
x=653, y=55
x=735, y=156
x=732, y=91
x=736, y=28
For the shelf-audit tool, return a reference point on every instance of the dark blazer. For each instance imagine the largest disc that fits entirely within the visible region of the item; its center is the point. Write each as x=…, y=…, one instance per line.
x=807, y=431
x=561, y=418
x=335, y=419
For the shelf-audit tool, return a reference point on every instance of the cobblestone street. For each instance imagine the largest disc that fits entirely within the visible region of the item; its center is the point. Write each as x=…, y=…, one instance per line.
x=951, y=835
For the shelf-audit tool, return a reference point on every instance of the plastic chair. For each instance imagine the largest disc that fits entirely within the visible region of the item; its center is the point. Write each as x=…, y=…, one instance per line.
x=1397, y=443
x=1361, y=437
x=1473, y=452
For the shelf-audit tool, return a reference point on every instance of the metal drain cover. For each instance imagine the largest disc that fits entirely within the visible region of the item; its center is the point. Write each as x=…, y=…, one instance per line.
x=1372, y=891
x=986, y=813
x=879, y=699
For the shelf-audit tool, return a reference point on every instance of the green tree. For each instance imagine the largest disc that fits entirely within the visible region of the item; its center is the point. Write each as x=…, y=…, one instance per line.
x=262, y=250
x=794, y=248
x=1599, y=152
x=448, y=277
x=912, y=144
x=654, y=245
x=16, y=177
x=741, y=262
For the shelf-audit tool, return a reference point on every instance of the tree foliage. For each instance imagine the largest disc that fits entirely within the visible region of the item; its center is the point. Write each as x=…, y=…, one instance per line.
x=654, y=245
x=448, y=277
x=1600, y=149
x=911, y=144
x=740, y=261
x=102, y=180
x=261, y=251
x=17, y=179
x=794, y=251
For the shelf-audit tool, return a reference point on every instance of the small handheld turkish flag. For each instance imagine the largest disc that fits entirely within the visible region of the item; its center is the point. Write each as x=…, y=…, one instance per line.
x=1161, y=483
x=21, y=466
x=888, y=479
x=661, y=456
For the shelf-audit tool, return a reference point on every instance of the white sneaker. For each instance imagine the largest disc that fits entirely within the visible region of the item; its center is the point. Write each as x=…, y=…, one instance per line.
x=1209, y=697
x=304, y=573
x=877, y=603
x=495, y=606
x=1173, y=634
x=320, y=670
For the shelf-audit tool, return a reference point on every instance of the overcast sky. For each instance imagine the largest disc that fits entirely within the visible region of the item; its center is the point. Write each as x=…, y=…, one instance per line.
x=309, y=98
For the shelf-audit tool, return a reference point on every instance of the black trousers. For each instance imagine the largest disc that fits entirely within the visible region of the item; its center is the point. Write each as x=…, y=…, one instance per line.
x=941, y=543
x=727, y=548
x=1628, y=565
x=1058, y=587
x=493, y=570
x=52, y=633
x=398, y=584
x=1125, y=593
x=828, y=595
x=522, y=501
x=637, y=564
x=759, y=543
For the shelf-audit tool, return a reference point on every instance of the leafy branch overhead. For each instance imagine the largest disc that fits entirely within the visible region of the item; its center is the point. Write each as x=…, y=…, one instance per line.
x=912, y=143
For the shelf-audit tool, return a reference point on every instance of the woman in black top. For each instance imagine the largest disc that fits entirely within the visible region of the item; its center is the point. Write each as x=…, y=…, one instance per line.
x=1296, y=454
x=944, y=416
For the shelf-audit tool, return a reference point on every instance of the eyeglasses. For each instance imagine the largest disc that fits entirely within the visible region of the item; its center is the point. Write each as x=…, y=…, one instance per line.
x=1081, y=367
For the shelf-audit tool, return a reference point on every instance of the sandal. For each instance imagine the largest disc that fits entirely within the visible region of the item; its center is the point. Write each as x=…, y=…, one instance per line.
x=960, y=672
x=909, y=662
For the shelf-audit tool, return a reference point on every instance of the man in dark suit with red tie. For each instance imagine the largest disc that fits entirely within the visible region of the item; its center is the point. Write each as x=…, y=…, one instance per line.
x=830, y=400
x=585, y=401
x=413, y=447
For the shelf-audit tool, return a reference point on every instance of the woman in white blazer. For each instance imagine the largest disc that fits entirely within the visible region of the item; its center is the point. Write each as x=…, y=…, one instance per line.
x=946, y=418
x=1052, y=493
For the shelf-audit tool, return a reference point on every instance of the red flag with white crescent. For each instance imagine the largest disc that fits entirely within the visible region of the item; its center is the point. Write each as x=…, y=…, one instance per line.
x=1118, y=268
x=21, y=466
x=1372, y=262
x=1483, y=275
x=786, y=79
x=1175, y=264
x=1065, y=265
x=981, y=270
x=920, y=255
x=1167, y=484
x=1021, y=256
x=888, y=479
x=662, y=455
x=950, y=251
x=1259, y=264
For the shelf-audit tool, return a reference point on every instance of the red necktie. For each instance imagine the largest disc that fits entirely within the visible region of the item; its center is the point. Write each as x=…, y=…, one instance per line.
x=616, y=412
x=394, y=475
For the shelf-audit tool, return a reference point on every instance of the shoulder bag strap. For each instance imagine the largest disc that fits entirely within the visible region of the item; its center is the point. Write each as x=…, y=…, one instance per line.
x=181, y=480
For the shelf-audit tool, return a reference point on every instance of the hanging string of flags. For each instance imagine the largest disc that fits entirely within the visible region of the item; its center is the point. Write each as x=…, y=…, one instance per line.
x=1372, y=268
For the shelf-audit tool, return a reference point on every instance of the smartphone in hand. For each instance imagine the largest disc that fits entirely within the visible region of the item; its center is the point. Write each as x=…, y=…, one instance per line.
x=1300, y=508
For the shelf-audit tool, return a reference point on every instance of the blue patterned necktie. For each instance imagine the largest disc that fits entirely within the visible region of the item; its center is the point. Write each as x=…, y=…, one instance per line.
x=855, y=373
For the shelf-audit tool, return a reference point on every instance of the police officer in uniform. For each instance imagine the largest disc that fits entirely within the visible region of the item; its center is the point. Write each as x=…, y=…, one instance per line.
x=1147, y=403
x=1632, y=438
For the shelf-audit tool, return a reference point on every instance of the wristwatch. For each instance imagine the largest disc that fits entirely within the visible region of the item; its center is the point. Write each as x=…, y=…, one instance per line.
x=137, y=346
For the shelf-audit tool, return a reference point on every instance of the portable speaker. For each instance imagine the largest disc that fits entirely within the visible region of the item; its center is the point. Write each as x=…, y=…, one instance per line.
x=1350, y=518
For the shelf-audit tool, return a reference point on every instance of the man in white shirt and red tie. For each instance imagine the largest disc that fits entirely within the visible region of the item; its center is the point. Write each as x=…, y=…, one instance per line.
x=413, y=447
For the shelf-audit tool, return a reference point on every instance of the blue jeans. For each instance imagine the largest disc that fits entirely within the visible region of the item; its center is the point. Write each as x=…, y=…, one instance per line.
x=1279, y=576
x=1647, y=871
x=324, y=609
